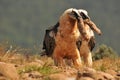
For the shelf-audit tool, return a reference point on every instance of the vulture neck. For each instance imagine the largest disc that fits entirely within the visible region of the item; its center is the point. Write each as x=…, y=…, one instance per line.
x=69, y=25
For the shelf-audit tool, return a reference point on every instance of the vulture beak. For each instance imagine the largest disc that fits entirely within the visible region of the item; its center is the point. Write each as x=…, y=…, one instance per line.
x=74, y=14
x=83, y=13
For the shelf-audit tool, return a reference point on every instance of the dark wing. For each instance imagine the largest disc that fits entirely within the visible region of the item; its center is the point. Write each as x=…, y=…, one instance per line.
x=55, y=28
x=49, y=41
x=78, y=43
x=91, y=43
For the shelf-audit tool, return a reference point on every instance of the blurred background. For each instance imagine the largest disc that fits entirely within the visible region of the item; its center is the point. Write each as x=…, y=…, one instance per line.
x=23, y=22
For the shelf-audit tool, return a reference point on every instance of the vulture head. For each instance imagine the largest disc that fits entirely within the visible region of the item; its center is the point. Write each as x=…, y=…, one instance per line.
x=71, y=15
x=83, y=13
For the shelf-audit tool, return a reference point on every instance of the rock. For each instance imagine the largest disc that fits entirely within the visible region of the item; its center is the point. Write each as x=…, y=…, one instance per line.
x=103, y=76
x=32, y=76
x=60, y=76
x=117, y=77
x=91, y=74
x=9, y=71
x=85, y=78
x=3, y=78
x=57, y=77
x=35, y=74
x=88, y=72
x=25, y=76
x=112, y=72
x=118, y=74
x=67, y=74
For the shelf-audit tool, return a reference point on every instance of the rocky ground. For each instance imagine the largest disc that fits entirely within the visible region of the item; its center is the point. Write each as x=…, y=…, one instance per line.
x=22, y=67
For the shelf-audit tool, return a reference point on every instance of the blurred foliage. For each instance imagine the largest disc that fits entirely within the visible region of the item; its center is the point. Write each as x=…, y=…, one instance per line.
x=104, y=51
x=45, y=69
x=24, y=22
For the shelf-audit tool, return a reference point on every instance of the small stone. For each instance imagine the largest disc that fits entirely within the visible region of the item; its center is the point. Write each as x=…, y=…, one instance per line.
x=85, y=78
x=118, y=74
x=112, y=72
x=105, y=76
x=35, y=74
x=58, y=76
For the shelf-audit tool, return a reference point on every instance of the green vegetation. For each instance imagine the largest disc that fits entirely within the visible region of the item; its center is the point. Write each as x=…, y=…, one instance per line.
x=46, y=69
x=106, y=58
x=104, y=51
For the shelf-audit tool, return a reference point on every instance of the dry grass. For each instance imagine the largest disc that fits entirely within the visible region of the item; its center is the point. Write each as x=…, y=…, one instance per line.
x=21, y=60
x=107, y=64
